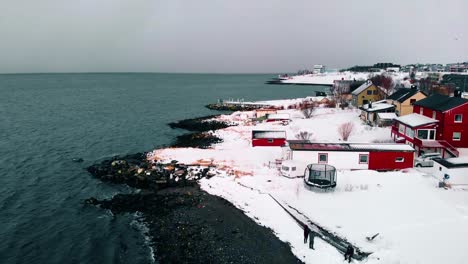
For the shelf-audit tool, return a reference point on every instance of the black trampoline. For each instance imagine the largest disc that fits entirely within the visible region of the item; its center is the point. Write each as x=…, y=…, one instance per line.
x=321, y=176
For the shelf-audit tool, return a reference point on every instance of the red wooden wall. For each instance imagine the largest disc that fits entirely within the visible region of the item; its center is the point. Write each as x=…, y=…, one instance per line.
x=386, y=160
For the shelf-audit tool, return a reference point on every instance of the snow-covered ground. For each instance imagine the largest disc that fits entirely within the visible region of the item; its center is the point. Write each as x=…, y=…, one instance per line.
x=416, y=221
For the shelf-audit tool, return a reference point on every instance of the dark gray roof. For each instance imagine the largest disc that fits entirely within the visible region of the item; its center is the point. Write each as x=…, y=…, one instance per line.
x=440, y=102
x=403, y=94
x=448, y=164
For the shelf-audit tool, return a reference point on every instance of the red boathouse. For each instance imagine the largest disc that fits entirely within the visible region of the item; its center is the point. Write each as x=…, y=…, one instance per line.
x=266, y=138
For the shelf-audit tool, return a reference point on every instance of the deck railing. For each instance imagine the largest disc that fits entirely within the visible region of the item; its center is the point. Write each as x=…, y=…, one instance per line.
x=449, y=147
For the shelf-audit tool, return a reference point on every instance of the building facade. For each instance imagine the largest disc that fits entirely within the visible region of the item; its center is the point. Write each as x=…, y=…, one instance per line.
x=366, y=93
x=403, y=100
x=353, y=155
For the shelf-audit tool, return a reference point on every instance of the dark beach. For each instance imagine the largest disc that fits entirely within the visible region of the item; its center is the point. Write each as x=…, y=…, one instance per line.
x=186, y=224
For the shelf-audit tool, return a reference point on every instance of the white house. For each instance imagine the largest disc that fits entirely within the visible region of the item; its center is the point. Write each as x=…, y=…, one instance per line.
x=455, y=168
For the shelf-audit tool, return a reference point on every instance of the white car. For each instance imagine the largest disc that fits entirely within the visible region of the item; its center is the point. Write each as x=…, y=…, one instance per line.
x=426, y=160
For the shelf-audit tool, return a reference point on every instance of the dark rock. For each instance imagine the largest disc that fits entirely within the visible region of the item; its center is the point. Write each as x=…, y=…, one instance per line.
x=200, y=124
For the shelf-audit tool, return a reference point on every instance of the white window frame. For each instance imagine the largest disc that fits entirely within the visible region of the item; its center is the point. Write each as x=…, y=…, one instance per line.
x=401, y=128
x=409, y=132
x=456, y=139
x=326, y=158
x=399, y=159
x=455, y=118
x=367, y=158
x=421, y=111
x=428, y=134
x=434, y=114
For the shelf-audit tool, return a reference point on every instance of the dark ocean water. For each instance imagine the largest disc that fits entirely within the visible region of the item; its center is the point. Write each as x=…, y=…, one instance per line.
x=47, y=120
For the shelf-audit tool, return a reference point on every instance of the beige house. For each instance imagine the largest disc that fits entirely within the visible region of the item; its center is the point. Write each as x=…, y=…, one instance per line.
x=403, y=100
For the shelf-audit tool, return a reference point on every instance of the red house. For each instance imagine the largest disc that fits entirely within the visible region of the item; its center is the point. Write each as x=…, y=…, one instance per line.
x=262, y=138
x=353, y=155
x=439, y=123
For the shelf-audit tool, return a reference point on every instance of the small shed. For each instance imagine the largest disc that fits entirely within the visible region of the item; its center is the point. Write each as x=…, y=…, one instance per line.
x=268, y=138
x=370, y=110
x=277, y=117
x=385, y=119
x=383, y=156
x=455, y=168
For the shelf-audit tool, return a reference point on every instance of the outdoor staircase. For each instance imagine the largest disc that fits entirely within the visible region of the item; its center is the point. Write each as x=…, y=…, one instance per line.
x=449, y=148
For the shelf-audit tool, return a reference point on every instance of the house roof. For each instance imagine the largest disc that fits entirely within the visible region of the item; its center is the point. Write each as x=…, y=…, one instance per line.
x=305, y=145
x=453, y=162
x=268, y=134
x=415, y=120
x=278, y=116
x=403, y=94
x=440, y=102
x=361, y=88
x=387, y=115
x=377, y=106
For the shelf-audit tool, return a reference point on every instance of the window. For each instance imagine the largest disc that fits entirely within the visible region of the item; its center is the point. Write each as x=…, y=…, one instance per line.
x=375, y=91
x=369, y=92
x=363, y=158
x=426, y=134
x=421, y=111
x=323, y=158
x=399, y=159
x=365, y=102
x=293, y=169
x=409, y=133
x=434, y=114
x=270, y=140
x=285, y=168
x=458, y=118
x=456, y=136
x=401, y=128
x=412, y=101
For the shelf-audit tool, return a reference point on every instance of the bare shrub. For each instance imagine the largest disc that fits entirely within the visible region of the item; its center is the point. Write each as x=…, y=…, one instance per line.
x=309, y=111
x=304, y=135
x=345, y=130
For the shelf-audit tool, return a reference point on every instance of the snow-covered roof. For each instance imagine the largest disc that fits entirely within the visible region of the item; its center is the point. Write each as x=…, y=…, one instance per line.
x=268, y=134
x=387, y=115
x=278, y=116
x=316, y=146
x=377, y=106
x=461, y=162
x=415, y=120
x=361, y=88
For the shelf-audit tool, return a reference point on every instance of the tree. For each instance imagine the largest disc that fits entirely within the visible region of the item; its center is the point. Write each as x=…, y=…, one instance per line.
x=345, y=130
x=304, y=135
x=308, y=112
x=384, y=81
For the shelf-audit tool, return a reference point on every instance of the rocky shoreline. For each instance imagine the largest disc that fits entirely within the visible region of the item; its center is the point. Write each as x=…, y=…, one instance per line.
x=186, y=224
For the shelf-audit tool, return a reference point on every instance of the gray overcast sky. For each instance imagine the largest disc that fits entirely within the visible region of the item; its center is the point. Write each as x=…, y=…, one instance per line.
x=227, y=36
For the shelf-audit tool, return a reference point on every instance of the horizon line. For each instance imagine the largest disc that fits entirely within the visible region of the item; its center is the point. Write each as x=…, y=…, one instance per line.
x=135, y=72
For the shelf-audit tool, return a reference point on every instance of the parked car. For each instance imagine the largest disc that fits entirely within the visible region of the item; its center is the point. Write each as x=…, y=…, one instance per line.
x=426, y=159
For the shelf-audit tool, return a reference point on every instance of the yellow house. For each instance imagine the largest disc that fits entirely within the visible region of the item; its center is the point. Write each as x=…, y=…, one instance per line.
x=403, y=100
x=367, y=92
